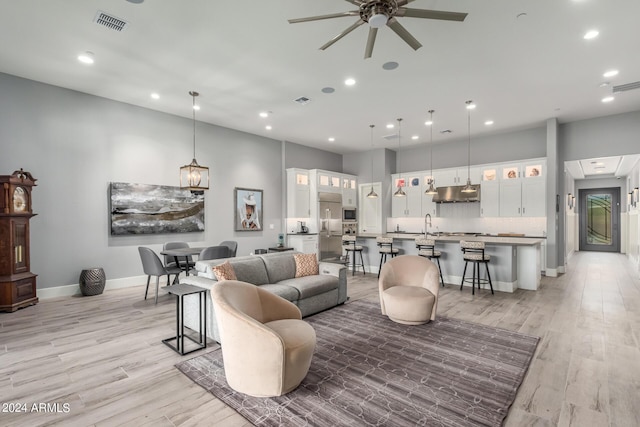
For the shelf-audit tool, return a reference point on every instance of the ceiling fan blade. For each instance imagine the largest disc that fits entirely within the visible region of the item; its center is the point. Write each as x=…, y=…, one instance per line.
x=403, y=2
x=319, y=17
x=403, y=33
x=371, y=40
x=356, y=2
x=431, y=14
x=342, y=34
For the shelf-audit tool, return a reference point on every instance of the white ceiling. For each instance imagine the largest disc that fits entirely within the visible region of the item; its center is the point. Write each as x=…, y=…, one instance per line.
x=244, y=57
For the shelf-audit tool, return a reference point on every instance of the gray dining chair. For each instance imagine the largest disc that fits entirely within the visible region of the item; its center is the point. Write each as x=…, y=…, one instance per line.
x=170, y=261
x=152, y=266
x=213, y=252
x=232, y=245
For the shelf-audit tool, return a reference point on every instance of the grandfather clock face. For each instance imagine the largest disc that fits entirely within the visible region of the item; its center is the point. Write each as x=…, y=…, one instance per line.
x=20, y=200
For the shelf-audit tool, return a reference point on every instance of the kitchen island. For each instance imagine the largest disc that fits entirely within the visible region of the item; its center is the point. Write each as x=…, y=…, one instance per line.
x=515, y=260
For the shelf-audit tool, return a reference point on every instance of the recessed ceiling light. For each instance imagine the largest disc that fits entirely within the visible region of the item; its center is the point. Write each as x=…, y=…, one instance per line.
x=86, y=57
x=135, y=1
x=331, y=139
x=264, y=114
x=610, y=73
x=608, y=99
x=268, y=127
x=350, y=81
x=390, y=126
x=604, y=84
x=328, y=89
x=428, y=123
x=591, y=34
x=415, y=137
x=488, y=122
x=391, y=65
x=471, y=106
x=155, y=96
x=196, y=107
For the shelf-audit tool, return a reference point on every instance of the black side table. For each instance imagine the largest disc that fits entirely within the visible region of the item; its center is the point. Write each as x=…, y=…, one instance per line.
x=280, y=249
x=180, y=290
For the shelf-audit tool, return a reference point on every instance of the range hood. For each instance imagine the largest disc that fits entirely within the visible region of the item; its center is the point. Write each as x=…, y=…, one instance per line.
x=454, y=194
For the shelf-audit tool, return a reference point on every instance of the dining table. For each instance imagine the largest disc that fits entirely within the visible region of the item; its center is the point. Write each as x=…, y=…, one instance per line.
x=184, y=253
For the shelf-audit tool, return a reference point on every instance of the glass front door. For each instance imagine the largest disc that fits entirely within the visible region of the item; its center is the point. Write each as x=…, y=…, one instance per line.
x=599, y=219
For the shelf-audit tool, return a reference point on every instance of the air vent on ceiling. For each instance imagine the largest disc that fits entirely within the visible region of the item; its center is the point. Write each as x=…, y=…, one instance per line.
x=391, y=137
x=110, y=21
x=626, y=87
x=303, y=100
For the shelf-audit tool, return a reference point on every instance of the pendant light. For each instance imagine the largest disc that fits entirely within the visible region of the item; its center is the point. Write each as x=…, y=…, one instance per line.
x=372, y=194
x=468, y=188
x=399, y=192
x=193, y=176
x=432, y=189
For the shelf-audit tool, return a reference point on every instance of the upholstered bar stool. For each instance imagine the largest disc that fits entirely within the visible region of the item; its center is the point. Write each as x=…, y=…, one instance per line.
x=349, y=244
x=386, y=248
x=473, y=252
x=427, y=248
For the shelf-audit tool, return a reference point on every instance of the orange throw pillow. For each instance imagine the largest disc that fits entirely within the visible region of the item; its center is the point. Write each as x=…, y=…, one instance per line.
x=225, y=271
x=306, y=265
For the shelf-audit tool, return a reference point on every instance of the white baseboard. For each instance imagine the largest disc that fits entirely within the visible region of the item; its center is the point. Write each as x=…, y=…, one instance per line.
x=70, y=290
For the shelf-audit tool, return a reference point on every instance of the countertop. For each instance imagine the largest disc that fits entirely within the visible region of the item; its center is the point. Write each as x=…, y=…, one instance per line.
x=487, y=238
x=302, y=234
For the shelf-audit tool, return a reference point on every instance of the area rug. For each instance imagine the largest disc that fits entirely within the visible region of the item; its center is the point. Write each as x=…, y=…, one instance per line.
x=370, y=371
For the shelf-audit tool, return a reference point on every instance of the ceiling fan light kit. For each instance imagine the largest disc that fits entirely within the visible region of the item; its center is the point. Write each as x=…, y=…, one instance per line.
x=380, y=13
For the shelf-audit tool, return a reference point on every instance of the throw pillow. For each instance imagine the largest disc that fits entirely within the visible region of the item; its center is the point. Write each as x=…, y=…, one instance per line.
x=225, y=271
x=306, y=265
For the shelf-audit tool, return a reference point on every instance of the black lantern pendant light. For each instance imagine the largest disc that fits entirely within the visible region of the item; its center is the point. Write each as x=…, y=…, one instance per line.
x=372, y=194
x=432, y=189
x=468, y=188
x=193, y=176
x=399, y=192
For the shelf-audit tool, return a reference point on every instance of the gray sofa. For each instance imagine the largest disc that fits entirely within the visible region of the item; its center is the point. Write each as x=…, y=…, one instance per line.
x=274, y=272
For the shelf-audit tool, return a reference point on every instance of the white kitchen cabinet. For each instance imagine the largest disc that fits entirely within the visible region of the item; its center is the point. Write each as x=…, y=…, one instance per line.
x=510, y=198
x=411, y=204
x=428, y=205
x=523, y=189
x=370, y=211
x=489, y=199
x=533, y=197
x=349, y=191
x=329, y=181
x=298, y=193
x=457, y=176
x=305, y=243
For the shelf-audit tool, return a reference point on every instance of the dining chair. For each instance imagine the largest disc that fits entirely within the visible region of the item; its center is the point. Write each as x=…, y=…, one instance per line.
x=170, y=261
x=213, y=252
x=152, y=266
x=232, y=245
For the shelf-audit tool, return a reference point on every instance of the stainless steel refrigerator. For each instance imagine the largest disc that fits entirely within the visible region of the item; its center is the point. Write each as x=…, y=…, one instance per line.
x=330, y=226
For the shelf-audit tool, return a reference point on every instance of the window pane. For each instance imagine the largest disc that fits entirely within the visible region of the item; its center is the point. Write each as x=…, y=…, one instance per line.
x=599, y=230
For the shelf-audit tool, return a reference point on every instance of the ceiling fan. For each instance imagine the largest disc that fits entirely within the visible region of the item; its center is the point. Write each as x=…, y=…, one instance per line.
x=378, y=13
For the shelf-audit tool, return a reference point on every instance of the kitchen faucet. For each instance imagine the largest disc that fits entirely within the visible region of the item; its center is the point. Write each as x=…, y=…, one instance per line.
x=427, y=224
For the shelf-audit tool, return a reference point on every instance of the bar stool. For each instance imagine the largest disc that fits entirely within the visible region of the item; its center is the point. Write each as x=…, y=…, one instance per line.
x=386, y=247
x=474, y=252
x=427, y=248
x=349, y=244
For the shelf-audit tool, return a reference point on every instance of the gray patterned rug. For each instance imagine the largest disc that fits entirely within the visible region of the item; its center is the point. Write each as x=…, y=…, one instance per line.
x=370, y=371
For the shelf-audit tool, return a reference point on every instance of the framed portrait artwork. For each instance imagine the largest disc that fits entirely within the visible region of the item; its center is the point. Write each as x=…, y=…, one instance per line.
x=248, y=209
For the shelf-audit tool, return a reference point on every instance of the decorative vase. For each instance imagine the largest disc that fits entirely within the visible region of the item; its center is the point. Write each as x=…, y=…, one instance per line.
x=92, y=281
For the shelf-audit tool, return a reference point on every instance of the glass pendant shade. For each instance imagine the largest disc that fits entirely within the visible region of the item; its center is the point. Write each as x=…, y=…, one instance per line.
x=372, y=194
x=194, y=177
x=399, y=193
x=468, y=188
x=432, y=189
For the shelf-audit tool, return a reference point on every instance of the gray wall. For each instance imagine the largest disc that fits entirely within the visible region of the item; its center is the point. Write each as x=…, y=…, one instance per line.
x=75, y=144
x=300, y=156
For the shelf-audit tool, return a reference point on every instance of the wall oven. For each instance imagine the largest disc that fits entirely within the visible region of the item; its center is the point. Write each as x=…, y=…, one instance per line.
x=349, y=215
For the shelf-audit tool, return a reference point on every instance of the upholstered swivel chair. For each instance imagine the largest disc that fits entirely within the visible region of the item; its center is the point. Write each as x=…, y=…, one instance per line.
x=232, y=245
x=170, y=261
x=409, y=286
x=266, y=347
x=152, y=266
x=213, y=252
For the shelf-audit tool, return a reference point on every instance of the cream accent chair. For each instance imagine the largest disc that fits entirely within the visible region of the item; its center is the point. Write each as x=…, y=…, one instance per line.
x=409, y=286
x=266, y=348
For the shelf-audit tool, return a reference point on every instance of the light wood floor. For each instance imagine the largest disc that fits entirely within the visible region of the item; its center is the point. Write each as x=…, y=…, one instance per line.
x=103, y=355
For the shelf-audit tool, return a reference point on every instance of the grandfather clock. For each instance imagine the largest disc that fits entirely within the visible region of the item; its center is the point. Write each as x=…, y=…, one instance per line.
x=17, y=282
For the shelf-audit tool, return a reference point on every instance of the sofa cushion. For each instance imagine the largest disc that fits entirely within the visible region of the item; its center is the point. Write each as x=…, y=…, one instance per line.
x=279, y=266
x=225, y=271
x=309, y=286
x=306, y=265
x=287, y=292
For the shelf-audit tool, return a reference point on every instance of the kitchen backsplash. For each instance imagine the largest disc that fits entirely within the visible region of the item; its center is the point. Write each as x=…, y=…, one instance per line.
x=529, y=226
